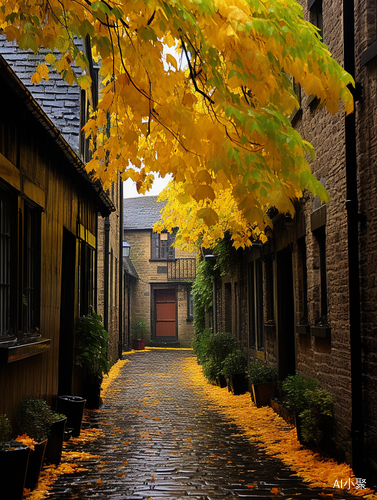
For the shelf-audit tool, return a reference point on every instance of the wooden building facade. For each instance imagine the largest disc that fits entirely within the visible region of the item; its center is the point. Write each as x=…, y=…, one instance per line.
x=48, y=227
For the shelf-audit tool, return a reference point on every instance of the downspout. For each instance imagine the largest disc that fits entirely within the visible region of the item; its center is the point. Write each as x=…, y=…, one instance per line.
x=357, y=427
x=121, y=305
x=106, y=275
x=129, y=282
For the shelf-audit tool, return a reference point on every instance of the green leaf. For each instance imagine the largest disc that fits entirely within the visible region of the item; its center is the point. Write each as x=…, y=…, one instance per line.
x=101, y=6
x=28, y=41
x=86, y=28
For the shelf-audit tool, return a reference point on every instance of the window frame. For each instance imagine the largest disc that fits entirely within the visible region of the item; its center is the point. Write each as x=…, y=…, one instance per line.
x=156, y=246
x=8, y=267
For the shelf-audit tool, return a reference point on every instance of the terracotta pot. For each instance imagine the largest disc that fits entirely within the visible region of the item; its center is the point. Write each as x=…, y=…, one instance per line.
x=13, y=467
x=138, y=344
x=262, y=393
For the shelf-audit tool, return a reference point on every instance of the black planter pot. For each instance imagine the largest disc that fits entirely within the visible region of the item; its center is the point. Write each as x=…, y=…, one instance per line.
x=35, y=464
x=262, y=393
x=73, y=408
x=54, y=448
x=221, y=381
x=13, y=467
x=92, y=392
x=238, y=383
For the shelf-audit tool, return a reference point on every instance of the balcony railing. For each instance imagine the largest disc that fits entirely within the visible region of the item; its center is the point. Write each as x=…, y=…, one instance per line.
x=181, y=269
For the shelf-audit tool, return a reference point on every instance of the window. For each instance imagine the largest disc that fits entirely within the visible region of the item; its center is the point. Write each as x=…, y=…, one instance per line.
x=162, y=246
x=315, y=14
x=303, y=281
x=87, y=268
x=8, y=209
x=32, y=269
x=320, y=235
x=255, y=285
x=270, y=305
x=228, y=307
x=20, y=265
x=190, y=305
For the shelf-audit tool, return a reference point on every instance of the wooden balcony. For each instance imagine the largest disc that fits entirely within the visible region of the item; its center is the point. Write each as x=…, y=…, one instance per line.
x=181, y=269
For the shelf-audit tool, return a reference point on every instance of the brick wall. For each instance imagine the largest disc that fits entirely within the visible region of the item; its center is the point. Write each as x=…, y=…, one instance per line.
x=366, y=114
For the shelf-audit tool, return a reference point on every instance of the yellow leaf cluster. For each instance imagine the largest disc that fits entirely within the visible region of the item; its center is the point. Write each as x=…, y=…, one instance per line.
x=214, y=113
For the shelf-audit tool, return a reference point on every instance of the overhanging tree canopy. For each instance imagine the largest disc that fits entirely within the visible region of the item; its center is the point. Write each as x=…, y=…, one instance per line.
x=214, y=112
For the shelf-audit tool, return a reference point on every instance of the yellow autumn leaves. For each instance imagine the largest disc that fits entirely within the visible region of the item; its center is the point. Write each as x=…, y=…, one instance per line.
x=214, y=113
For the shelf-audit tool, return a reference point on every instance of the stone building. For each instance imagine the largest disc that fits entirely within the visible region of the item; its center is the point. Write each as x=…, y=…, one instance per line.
x=67, y=108
x=306, y=300
x=160, y=287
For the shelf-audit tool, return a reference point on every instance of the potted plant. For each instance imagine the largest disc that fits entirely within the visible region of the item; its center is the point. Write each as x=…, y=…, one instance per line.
x=211, y=370
x=91, y=355
x=56, y=437
x=138, y=335
x=312, y=407
x=34, y=418
x=262, y=377
x=214, y=350
x=234, y=369
x=14, y=458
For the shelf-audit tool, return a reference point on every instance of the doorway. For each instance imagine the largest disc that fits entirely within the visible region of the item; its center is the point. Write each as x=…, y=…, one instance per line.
x=165, y=325
x=67, y=313
x=286, y=314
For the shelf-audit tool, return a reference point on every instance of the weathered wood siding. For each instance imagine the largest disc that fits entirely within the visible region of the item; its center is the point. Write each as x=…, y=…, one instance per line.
x=32, y=162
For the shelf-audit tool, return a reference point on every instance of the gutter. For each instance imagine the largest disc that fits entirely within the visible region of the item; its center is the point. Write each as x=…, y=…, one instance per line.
x=357, y=425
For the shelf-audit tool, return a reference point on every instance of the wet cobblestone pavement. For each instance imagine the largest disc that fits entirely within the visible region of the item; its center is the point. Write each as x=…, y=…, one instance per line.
x=164, y=440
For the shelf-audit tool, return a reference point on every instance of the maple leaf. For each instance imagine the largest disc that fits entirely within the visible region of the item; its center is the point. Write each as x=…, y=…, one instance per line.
x=218, y=121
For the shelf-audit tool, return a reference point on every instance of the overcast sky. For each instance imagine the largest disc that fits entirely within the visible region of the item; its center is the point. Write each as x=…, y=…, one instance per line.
x=129, y=187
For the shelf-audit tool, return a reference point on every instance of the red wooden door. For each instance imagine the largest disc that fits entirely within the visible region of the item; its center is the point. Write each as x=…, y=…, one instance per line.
x=165, y=313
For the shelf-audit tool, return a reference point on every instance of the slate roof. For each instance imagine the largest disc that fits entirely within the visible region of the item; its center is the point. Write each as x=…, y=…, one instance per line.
x=129, y=267
x=142, y=212
x=9, y=76
x=59, y=100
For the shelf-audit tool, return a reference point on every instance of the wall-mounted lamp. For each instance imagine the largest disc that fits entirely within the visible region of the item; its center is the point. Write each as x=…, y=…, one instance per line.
x=126, y=249
x=258, y=244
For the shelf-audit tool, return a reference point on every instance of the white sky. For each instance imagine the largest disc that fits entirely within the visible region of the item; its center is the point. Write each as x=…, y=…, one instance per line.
x=129, y=187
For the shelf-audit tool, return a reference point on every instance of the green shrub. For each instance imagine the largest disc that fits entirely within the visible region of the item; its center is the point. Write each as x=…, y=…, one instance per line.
x=5, y=431
x=314, y=407
x=91, y=345
x=316, y=418
x=235, y=362
x=211, y=369
x=260, y=372
x=220, y=345
x=34, y=417
x=138, y=330
x=294, y=388
x=200, y=345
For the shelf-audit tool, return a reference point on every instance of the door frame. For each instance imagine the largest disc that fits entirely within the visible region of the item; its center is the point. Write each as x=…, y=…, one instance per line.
x=164, y=286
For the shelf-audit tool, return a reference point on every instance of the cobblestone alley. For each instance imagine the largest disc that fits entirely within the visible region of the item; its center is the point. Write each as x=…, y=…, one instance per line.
x=162, y=439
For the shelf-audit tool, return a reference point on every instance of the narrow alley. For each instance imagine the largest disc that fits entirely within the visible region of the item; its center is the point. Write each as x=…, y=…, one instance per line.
x=160, y=437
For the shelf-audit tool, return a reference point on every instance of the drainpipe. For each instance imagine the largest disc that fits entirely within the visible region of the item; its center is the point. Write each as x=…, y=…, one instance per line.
x=129, y=282
x=106, y=276
x=357, y=427
x=121, y=305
